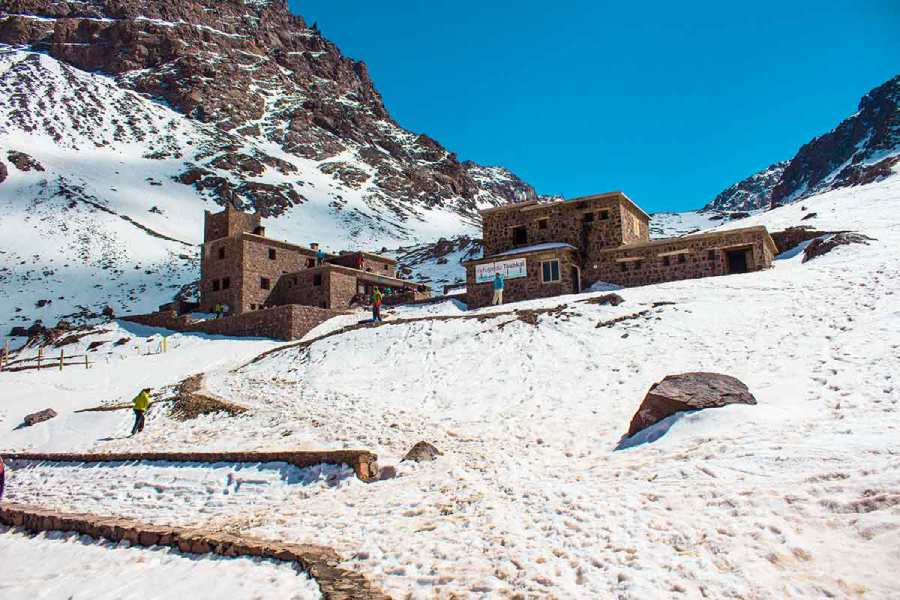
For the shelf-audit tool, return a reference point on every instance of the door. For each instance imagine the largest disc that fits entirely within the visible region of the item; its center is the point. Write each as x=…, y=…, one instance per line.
x=576, y=280
x=737, y=261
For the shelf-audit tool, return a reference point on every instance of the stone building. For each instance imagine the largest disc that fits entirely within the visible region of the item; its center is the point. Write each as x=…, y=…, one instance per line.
x=247, y=271
x=551, y=248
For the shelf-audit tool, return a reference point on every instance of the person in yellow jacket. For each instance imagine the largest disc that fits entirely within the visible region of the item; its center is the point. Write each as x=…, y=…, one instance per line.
x=140, y=403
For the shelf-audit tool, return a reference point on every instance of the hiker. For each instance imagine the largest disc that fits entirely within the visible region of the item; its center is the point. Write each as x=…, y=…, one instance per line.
x=218, y=310
x=141, y=403
x=499, y=283
x=360, y=263
x=320, y=257
x=376, y=304
x=226, y=310
x=2, y=477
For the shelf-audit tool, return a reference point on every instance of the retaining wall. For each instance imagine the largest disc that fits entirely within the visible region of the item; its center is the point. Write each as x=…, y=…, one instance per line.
x=363, y=462
x=289, y=322
x=319, y=562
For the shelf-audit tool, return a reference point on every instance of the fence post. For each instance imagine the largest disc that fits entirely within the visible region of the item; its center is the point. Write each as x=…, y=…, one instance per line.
x=86, y=365
x=61, y=358
x=40, y=356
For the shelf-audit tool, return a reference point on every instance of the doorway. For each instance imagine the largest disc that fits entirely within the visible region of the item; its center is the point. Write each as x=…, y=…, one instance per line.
x=737, y=261
x=576, y=279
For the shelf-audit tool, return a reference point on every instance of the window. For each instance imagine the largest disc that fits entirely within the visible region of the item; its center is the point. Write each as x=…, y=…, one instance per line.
x=682, y=258
x=711, y=255
x=666, y=261
x=604, y=215
x=252, y=307
x=623, y=266
x=215, y=285
x=226, y=283
x=222, y=253
x=272, y=254
x=587, y=217
x=520, y=235
x=550, y=271
x=310, y=263
x=543, y=223
x=638, y=264
x=264, y=283
x=317, y=279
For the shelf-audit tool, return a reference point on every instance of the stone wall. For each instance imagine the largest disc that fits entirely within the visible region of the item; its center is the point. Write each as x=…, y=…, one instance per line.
x=363, y=462
x=380, y=265
x=591, y=225
x=319, y=562
x=228, y=223
x=268, y=259
x=309, y=287
x=690, y=257
x=220, y=266
x=289, y=322
x=529, y=287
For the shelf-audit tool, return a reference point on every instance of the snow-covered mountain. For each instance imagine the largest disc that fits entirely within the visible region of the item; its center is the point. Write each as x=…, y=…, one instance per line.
x=861, y=149
x=121, y=122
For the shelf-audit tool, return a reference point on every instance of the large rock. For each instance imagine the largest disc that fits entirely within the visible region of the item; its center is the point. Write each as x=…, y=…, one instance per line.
x=39, y=417
x=824, y=245
x=685, y=392
x=422, y=452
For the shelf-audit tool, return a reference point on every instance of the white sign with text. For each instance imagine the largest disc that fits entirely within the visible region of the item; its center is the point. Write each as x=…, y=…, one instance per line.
x=510, y=269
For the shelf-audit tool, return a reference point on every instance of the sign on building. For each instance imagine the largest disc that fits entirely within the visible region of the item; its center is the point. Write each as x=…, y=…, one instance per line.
x=510, y=269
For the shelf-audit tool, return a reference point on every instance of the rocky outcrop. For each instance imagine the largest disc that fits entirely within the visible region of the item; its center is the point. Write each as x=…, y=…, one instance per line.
x=844, y=156
x=23, y=162
x=422, y=452
x=751, y=193
x=254, y=69
x=824, y=245
x=39, y=417
x=688, y=392
x=191, y=400
x=863, y=148
x=4, y=173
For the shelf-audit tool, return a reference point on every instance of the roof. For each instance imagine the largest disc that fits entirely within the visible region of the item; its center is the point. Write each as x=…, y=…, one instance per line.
x=696, y=236
x=373, y=256
x=535, y=249
x=539, y=204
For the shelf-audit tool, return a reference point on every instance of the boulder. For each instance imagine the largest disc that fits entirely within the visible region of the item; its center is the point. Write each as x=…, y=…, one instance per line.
x=606, y=299
x=39, y=417
x=821, y=246
x=422, y=452
x=688, y=392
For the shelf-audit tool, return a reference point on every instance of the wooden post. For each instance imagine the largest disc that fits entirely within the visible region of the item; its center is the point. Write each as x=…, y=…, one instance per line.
x=86, y=364
x=40, y=356
x=61, y=358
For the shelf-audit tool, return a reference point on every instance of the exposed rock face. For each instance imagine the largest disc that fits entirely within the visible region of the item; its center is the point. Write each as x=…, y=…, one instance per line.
x=686, y=392
x=3, y=172
x=794, y=236
x=821, y=246
x=751, y=193
x=862, y=149
x=255, y=70
x=422, y=452
x=23, y=162
x=39, y=417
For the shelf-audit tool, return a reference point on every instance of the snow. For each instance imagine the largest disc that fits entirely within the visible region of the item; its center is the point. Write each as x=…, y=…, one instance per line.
x=537, y=493
x=537, y=248
x=57, y=565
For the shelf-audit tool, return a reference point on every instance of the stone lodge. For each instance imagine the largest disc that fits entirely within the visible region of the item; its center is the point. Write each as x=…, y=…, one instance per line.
x=245, y=270
x=551, y=248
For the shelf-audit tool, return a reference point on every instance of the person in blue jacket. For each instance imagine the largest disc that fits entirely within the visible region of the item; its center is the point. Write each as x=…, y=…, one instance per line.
x=499, y=283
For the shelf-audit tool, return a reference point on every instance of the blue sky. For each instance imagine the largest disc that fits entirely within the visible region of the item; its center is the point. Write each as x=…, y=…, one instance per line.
x=670, y=102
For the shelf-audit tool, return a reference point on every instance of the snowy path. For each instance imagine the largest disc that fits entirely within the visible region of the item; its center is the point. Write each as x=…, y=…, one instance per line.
x=212, y=495
x=56, y=566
